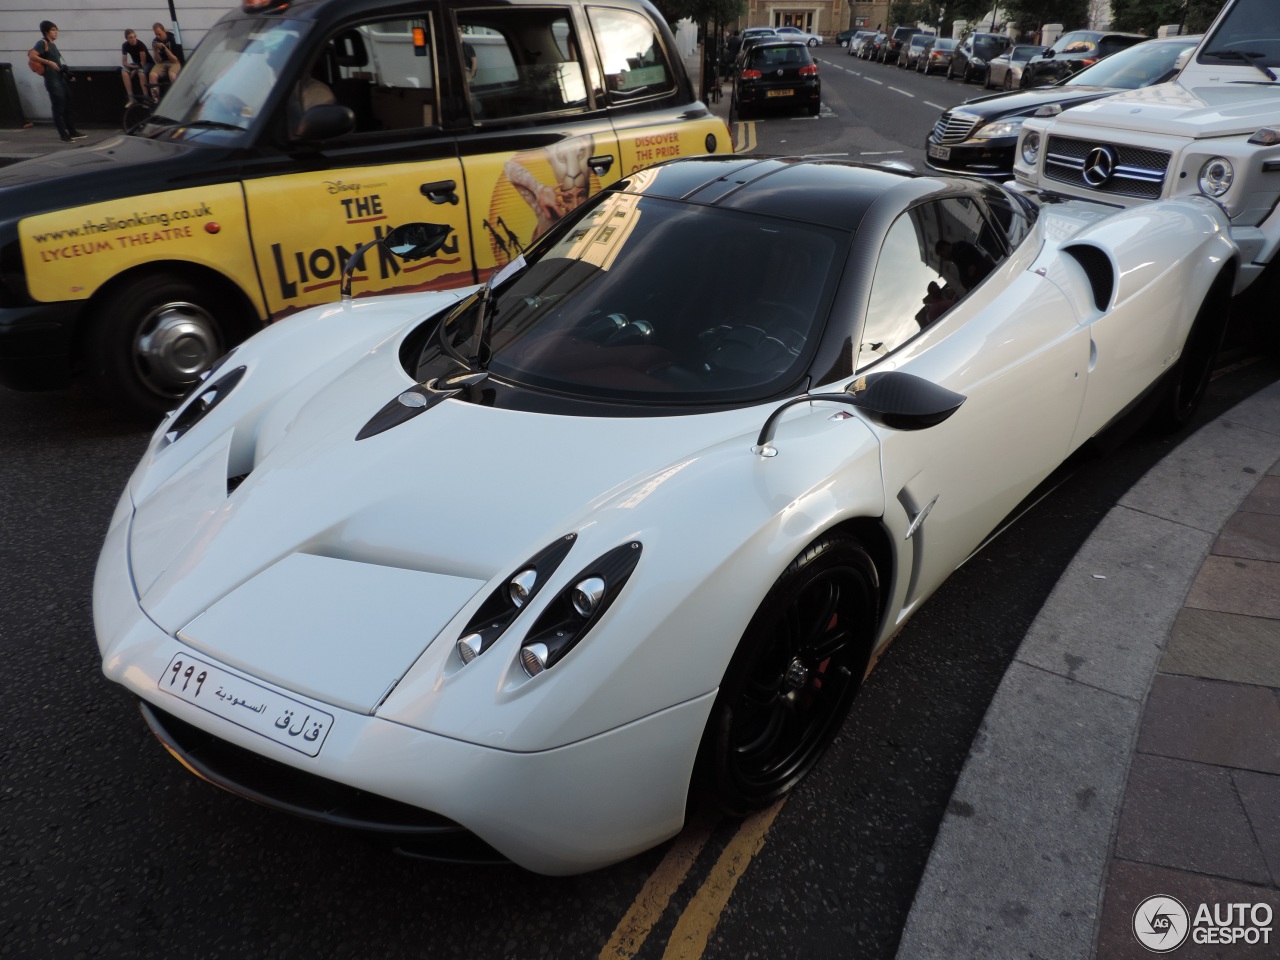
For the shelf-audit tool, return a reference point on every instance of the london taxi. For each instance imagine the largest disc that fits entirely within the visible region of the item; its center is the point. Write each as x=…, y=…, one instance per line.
x=298, y=131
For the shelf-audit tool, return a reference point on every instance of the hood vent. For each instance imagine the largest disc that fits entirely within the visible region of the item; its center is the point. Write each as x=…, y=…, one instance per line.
x=1097, y=267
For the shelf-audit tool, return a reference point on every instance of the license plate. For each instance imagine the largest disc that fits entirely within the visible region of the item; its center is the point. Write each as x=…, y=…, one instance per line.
x=282, y=719
x=939, y=152
x=780, y=93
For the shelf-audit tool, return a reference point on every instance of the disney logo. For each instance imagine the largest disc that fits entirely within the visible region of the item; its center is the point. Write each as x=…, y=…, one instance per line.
x=337, y=186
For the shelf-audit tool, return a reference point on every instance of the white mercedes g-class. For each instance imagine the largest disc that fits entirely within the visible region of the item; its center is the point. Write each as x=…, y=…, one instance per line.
x=1214, y=130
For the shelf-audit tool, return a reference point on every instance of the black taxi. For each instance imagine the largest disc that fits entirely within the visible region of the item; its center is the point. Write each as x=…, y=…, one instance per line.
x=297, y=132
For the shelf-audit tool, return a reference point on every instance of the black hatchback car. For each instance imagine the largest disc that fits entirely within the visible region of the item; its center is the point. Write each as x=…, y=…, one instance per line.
x=1073, y=52
x=979, y=137
x=776, y=74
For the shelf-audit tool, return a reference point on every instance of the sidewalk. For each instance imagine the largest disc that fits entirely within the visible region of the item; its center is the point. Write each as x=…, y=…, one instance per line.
x=1133, y=747
x=42, y=138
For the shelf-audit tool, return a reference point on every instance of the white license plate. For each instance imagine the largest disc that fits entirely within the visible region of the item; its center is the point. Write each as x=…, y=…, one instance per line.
x=281, y=719
x=939, y=152
x=780, y=93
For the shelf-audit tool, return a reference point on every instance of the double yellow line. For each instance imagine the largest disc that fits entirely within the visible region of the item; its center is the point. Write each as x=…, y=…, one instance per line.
x=689, y=939
x=744, y=136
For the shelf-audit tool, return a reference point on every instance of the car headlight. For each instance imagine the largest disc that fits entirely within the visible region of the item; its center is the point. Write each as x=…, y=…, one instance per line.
x=571, y=615
x=502, y=606
x=1001, y=128
x=1031, y=148
x=1216, y=177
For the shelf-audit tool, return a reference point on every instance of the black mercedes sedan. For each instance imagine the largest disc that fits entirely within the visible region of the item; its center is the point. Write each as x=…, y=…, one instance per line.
x=978, y=137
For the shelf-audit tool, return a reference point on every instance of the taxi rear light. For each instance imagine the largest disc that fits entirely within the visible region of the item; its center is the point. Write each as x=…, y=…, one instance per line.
x=751, y=74
x=809, y=71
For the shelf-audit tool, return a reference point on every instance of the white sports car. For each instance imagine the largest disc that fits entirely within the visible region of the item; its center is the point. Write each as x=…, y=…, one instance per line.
x=522, y=570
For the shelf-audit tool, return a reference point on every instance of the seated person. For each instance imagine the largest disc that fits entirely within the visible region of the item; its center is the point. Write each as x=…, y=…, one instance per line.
x=133, y=64
x=166, y=63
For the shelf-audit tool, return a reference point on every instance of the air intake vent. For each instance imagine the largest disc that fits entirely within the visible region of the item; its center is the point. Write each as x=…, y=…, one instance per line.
x=234, y=482
x=1097, y=266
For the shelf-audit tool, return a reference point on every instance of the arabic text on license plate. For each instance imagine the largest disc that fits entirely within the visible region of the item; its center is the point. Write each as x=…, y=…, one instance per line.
x=293, y=723
x=779, y=93
x=939, y=153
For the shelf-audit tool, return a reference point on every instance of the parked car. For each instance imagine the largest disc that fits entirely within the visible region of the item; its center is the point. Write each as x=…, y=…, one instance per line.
x=795, y=33
x=844, y=36
x=1005, y=71
x=1212, y=132
x=969, y=62
x=1072, y=52
x=870, y=47
x=757, y=32
x=289, y=139
x=909, y=56
x=979, y=136
x=936, y=55
x=776, y=74
x=757, y=480
x=888, y=51
x=857, y=41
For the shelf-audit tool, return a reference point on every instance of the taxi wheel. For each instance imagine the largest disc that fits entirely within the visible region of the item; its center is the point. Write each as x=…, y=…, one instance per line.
x=793, y=678
x=153, y=338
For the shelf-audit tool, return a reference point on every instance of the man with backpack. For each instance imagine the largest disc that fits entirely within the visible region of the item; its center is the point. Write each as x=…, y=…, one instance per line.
x=45, y=59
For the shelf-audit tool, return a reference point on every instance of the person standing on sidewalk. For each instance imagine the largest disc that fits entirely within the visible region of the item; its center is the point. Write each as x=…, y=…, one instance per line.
x=47, y=60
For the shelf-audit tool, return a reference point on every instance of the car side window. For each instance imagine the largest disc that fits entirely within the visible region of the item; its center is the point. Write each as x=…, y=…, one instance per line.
x=932, y=256
x=383, y=70
x=635, y=63
x=521, y=61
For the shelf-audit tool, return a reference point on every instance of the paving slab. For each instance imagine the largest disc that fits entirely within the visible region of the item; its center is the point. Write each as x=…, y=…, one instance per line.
x=1106, y=622
x=1233, y=585
x=1253, y=536
x=1265, y=497
x=1224, y=646
x=1187, y=816
x=1128, y=884
x=1260, y=794
x=1018, y=863
x=1209, y=721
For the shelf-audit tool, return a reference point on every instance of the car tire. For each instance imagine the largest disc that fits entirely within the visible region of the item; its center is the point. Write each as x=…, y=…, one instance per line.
x=154, y=336
x=951, y=74
x=967, y=76
x=1007, y=86
x=813, y=42
x=1189, y=378
x=814, y=108
x=925, y=69
x=792, y=679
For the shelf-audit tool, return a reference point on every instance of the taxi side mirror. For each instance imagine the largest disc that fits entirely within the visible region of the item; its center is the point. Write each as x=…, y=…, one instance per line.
x=325, y=121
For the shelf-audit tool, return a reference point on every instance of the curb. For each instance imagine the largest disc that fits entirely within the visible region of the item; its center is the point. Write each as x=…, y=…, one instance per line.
x=1018, y=867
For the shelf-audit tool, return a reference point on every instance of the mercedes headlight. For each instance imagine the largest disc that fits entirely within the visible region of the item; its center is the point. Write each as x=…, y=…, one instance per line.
x=1216, y=177
x=1031, y=148
x=1000, y=128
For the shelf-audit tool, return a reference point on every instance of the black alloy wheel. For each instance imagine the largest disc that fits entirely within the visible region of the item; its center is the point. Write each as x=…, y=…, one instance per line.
x=792, y=679
x=1189, y=378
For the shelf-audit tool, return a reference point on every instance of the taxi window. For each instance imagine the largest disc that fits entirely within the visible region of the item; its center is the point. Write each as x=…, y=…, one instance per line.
x=383, y=70
x=635, y=65
x=520, y=62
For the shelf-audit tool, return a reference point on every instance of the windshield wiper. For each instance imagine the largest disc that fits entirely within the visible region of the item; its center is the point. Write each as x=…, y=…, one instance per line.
x=1249, y=57
x=211, y=124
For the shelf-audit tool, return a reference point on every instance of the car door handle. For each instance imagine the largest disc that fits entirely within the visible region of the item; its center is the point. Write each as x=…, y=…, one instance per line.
x=441, y=191
x=600, y=165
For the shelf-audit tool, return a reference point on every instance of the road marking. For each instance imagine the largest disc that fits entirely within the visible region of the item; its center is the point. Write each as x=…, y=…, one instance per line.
x=903, y=92
x=693, y=929
x=744, y=140
x=878, y=153
x=930, y=103
x=634, y=928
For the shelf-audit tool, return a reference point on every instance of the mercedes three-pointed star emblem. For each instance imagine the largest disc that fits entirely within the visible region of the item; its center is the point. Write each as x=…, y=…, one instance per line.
x=1099, y=166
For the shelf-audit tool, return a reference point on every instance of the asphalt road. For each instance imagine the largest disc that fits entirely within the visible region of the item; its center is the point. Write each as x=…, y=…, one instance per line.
x=109, y=848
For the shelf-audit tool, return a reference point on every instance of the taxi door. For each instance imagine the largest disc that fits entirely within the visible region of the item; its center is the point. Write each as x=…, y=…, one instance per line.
x=534, y=137
x=399, y=165
x=651, y=115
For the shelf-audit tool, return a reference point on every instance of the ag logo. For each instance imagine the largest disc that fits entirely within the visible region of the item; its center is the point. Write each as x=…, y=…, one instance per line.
x=1099, y=165
x=1161, y=924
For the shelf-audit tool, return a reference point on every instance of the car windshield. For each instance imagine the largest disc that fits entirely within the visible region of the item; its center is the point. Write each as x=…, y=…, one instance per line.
x=1249, y=32
x=231, y=75
x=1138, y=66
x=944, y=44
x=648, y=300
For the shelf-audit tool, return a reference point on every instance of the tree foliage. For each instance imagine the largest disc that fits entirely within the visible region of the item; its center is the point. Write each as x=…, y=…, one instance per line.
x=1147, y=16
x=937, y=11
x=1030, y=15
